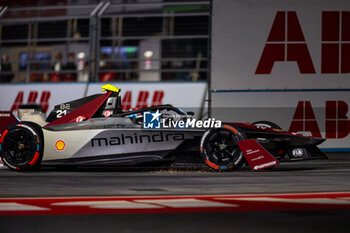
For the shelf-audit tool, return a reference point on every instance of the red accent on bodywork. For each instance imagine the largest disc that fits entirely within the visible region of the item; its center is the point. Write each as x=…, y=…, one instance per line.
x=256, y=155
x=6, y=119
x=36, y=156
x=241, y=125
x=3, y=135
x=87, y=111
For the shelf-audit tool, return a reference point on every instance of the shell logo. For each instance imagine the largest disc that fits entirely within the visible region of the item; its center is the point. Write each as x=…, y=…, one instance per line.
x=80, y=119
x=107, y=113
x=60, y=145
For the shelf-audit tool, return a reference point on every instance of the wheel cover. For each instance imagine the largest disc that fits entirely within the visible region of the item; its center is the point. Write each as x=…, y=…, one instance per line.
x=221, y=149
x=20, y=147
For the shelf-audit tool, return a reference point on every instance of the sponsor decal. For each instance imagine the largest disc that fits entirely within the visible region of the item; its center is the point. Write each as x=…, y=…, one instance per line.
x=142, y=99
x=137, y=139
x=286, y=43
x=250, y=151
x=337, y=123
x=298, y=152
x=80, y=119
x=153, y=120
x=60, y=145
x=294, y=45
x=65, y=106
x=258, y=158
x=32, y=99
x=107, y=113
x=5, y=115
x=269, y=164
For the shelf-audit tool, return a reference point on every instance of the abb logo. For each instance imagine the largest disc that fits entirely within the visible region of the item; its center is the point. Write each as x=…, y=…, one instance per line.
x=335, y=42
x=32, y=99
x=142, y=99
x=336, y=122
x=286, y=43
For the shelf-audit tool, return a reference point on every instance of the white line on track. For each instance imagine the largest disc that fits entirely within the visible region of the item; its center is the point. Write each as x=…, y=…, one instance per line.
x=315, y=162
x=182, y=196
x=109, y=204
x=13, y=206
x=326, y=201
x=186, y=203
x=147, y=204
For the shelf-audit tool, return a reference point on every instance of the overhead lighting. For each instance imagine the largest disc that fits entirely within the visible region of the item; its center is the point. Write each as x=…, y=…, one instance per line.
x=148, y=54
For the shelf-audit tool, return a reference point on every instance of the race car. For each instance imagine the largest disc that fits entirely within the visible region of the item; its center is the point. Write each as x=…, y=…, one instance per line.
x=95, y=131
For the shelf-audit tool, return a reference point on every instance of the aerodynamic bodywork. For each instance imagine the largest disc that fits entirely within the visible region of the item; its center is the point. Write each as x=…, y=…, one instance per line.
x=95, y=131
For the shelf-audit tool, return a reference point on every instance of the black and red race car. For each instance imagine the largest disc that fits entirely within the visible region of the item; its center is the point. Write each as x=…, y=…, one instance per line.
x=95, y=131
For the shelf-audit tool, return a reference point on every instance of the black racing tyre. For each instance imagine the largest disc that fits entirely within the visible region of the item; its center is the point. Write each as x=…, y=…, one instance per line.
x=21, y=146
x=266, y=125
x=219, y=148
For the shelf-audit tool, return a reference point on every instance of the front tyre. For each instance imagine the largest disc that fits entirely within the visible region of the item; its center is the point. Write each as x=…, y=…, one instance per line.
x=21, y=146
x=219, y=148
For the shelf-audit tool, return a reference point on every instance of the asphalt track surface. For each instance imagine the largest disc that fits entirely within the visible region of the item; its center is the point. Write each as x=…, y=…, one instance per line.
x=326, y=176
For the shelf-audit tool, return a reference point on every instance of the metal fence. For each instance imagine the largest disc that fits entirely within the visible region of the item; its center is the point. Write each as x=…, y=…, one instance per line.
x=105, y=41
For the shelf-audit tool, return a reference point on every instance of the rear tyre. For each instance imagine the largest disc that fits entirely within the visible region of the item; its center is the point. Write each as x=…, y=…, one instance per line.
x=266, y=125
x=22, y=146
x=219, y=148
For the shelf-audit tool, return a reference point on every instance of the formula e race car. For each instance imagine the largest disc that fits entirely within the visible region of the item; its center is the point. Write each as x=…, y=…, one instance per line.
x=95, y=131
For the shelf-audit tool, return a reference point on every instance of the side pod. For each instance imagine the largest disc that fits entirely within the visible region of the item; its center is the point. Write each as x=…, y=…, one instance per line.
x=256, y=155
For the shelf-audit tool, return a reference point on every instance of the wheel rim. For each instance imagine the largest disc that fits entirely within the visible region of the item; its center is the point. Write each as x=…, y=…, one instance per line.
x=221, y=148
x=19, y=147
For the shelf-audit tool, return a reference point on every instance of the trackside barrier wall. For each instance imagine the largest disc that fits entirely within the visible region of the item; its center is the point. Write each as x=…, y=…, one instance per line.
x=284, y=61
x=189, y=96
x=185, y=95
x=320, y=113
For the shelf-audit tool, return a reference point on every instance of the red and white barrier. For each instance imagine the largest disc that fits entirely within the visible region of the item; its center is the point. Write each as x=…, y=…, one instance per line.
x=1, y=165
x=173, y=204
